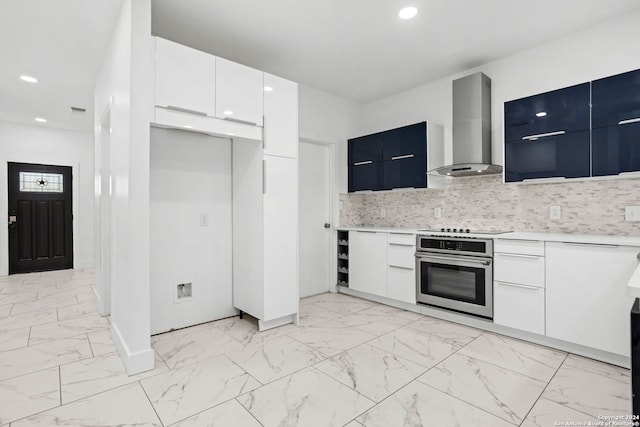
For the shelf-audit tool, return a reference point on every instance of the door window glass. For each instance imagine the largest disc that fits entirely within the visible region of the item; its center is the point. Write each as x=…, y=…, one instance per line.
x=37, y=182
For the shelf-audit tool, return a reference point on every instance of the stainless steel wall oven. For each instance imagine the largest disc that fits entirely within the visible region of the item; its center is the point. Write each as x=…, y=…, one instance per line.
x=455, y=273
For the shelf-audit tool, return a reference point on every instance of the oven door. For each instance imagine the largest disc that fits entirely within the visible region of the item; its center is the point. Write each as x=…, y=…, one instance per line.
x=460, y=283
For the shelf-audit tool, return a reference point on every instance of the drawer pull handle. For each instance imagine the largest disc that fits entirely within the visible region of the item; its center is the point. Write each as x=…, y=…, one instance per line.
x=405, y=156
x=401, y=267
x=629, y=121
x=401, y=244
x=519, y=255
x=186, y=110
x=513, y=285
x=244, y=122
x=366, y=162
x=601, y=245
x=543, y=135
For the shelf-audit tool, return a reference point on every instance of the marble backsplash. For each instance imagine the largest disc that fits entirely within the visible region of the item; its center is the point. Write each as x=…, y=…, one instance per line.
x=486, y=203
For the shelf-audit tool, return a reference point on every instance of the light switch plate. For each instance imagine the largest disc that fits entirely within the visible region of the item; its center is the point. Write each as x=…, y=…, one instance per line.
x=437, y=213
x=383, y=213
x=632, y=213
x=555, y=212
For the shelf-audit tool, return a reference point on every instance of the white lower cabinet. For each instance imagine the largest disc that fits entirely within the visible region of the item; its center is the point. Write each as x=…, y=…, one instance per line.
x=586, y=295
x=518, y=287
x=519, y=306
x=368, y=262
x=401, y=284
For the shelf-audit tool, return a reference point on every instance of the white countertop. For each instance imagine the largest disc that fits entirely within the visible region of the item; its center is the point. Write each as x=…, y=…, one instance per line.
x=598, y=239
x=633, y=285
x=381, y=229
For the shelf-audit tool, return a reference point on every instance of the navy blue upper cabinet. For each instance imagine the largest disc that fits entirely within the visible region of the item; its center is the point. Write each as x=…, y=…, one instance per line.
x=365, y=163
x=559, y=111
x=615, y=116
x=564, y=155
x=615, y=100
x=392, y=159
x=405, y=142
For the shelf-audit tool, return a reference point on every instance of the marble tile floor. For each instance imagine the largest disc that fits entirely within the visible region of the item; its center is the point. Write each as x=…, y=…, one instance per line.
x=349, y=362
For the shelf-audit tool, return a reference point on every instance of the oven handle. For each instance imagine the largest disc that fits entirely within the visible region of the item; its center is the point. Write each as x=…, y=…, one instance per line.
x=446, y=258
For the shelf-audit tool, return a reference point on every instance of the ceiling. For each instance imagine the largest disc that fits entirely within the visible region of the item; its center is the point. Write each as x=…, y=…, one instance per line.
x=357, y=49
x=61, y=43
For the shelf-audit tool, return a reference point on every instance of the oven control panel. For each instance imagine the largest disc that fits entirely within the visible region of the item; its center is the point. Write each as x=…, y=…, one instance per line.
x=455, y=245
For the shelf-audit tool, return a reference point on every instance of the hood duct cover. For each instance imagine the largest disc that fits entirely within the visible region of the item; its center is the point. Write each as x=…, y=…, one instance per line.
x=471, y=128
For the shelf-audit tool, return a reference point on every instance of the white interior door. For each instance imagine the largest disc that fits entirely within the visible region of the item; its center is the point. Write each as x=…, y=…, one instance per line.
x=315, y=212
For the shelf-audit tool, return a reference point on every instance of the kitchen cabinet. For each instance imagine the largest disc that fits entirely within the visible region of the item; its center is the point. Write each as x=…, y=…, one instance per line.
x=280, y=117
x=519, y=285
x=547, y=135
x=397, y=158
x=368, y=262
x=401, y=273
x=185, y=78
x=365, y=163
x=239, y=92
x=280, y=219
x=615, y=115
x=586, y=295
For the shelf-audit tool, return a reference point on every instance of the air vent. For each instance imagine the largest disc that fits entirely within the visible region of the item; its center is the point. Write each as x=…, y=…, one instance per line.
x=78, y=110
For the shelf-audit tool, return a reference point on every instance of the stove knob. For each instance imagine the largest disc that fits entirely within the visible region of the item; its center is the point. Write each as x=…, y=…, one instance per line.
x=448, y=230
x=467, y=231
x=442, y=229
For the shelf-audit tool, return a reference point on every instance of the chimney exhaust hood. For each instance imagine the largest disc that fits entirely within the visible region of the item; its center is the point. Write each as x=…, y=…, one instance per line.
x=471, y=128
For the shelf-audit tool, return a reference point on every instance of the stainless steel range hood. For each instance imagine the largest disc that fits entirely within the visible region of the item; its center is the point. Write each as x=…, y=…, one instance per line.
x=471, y=128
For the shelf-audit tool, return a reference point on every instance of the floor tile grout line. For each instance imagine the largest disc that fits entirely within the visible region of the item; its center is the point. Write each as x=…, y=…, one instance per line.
x=60, y=383
x=248, y=411
x=150, y=403
x=545, y=388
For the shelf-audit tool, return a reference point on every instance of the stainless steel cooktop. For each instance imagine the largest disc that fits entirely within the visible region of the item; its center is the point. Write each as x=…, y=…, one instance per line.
x=463, y=231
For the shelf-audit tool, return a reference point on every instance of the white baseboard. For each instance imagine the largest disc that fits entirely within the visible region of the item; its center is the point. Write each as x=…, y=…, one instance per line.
x=134, y=363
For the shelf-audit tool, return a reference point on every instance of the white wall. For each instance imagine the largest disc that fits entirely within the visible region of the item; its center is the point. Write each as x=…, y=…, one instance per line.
x=598, y=51
x=44, y=145
x=190, y=177
x=124, y=77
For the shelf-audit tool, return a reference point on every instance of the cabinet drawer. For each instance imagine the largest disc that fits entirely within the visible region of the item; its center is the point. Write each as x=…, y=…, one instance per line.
x=525, y=247
x=402, y=239
x=401, y=256
x=520, y=269
x=519, y=307
x=401, y=284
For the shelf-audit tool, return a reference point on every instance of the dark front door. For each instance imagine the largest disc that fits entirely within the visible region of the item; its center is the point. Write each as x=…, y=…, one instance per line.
x=40, y=218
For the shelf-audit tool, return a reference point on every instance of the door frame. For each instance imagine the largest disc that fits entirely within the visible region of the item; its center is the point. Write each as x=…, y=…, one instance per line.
x=4, y=202
x=333, y=206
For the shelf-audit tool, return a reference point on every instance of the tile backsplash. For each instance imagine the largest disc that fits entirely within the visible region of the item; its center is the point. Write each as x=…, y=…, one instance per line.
x=589, y=206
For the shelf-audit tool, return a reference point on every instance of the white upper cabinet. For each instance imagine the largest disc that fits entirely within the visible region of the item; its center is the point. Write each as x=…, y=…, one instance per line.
x=185, y=78
x=280, y=117
x=239, y=92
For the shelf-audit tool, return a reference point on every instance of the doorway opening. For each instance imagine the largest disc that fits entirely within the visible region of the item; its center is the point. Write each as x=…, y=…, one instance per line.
x=40, y=217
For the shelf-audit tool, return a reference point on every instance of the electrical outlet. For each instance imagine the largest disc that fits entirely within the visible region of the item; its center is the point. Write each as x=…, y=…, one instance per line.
x=437, y=213
x=555, y=212
x=383, y=213
x=632, y=213
x=204, y=220
x=183, y=290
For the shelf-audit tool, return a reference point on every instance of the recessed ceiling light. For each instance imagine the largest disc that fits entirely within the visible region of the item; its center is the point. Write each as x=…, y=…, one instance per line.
x=28, y=79
x=541, y=114
x=231, y=134
x=408, y=12
x=268, y=89
x=40, y=120
x=479, y=171
x=228, y=113
x=188, y=127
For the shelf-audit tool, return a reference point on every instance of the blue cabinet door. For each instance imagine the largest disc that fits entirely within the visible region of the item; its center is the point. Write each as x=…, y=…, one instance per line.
x=559, y=111
x=566, y=155
x=365, y=167
x=367, y=176
x=404, y=173
x=405, y=142
x=615, y=149
x=615, y=100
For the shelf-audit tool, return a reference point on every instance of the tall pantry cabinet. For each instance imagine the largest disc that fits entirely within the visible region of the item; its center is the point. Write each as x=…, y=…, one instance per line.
x=258, y=113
